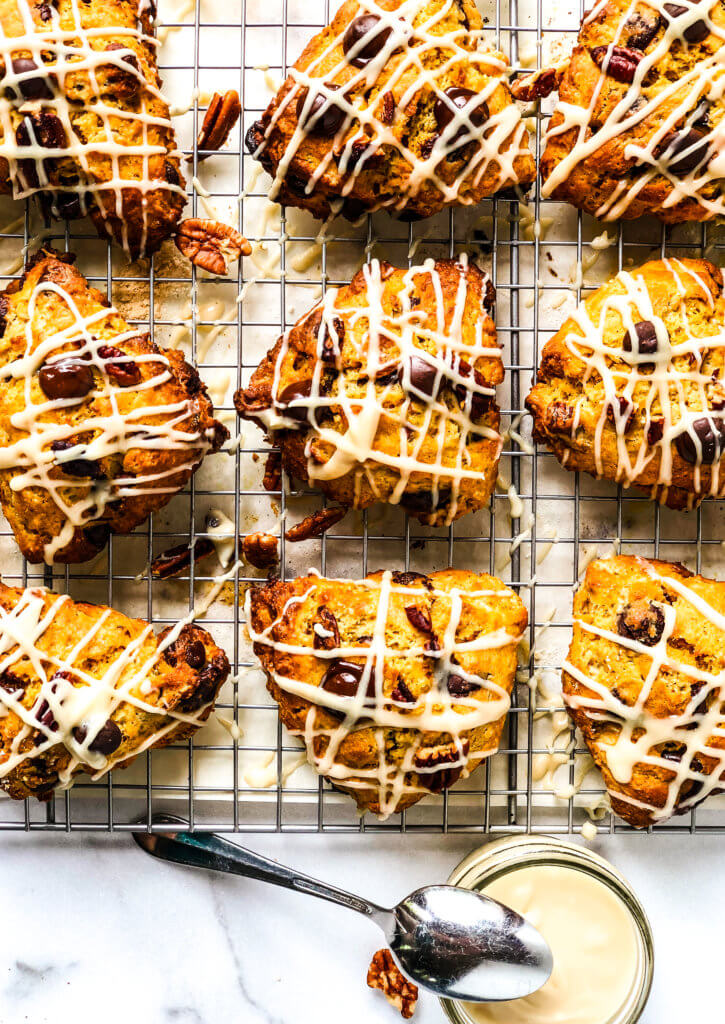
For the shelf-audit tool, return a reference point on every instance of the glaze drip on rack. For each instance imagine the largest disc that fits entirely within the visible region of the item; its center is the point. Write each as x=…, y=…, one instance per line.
x=424, y=694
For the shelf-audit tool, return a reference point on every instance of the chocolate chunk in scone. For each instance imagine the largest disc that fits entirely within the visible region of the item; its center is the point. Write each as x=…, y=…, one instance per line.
x=641, y=113
x=385, y=391
x=98, y=427
x=644, y=683
x=632, y=387
x=83, y=688
x=398, y=106
x=80, y=80
x=370, y=674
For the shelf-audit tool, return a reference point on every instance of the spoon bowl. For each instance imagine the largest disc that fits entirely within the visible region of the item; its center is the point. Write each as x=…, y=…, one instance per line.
x=454, y=942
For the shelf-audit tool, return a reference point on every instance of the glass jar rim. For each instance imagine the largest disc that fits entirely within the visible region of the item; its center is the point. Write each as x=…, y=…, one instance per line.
x=511, y=853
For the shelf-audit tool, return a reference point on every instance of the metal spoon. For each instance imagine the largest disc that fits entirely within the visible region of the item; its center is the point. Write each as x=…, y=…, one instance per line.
x=455, y=942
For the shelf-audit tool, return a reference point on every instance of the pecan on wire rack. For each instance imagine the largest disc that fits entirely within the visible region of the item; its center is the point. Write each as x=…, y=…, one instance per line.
x=211, y=245
x=316, y=524
x=260, y=549
x=221, y=116
x=384, y=973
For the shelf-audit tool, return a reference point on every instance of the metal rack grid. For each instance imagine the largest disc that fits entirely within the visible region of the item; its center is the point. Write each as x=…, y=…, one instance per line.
x=212, y=780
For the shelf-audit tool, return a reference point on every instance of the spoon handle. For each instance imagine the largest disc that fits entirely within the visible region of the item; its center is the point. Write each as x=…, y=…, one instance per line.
x=206, y=850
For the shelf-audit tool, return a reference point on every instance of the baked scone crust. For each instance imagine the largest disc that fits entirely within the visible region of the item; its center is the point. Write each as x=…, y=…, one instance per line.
x=643, y=683
x=95, y=140
x=638, y=126
x=84, y=688
x=441, y=656
x=133, y=440
x=648, y=413
x=394, y=151
x=402, y=411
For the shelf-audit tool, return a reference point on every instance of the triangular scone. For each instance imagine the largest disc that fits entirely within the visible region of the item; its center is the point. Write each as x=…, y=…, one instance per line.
x=632, y=387
x=83, y=688
x=385, y=391
x=98, y=426
x=399, y=684
x=644, y=683
x=640, y=123
x=83, y=124
x=395, y=104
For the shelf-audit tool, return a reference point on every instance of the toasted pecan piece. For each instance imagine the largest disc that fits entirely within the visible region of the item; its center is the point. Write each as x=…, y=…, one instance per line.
x=261, y=549
x=221, y=116
x=211, y=245
x=316, y=524
x=384, y=973
x=178, y=559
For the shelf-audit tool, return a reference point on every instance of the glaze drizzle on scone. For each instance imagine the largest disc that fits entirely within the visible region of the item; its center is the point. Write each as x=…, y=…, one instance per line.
x=98, y=427
x=83, y=124
x=640, y=123
x=396, y=104
x=644, y=683
x=385, y=391
x=399, y=684
x=83, y=688
x=632, y=387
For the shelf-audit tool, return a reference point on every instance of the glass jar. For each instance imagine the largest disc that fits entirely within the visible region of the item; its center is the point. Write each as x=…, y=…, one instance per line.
x=489, y=862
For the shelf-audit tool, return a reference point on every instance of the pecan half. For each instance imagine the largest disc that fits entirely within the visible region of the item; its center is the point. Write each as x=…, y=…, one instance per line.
x=177, y=560
x=221, y=116
x=539, y=83
x=621, y=62
x=316, y=524
x=211, y=245
x=260, y=549
x=273, y=471
x=384, y=973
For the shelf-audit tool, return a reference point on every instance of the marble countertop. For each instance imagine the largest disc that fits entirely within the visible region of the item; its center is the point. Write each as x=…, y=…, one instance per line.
x=96, y=931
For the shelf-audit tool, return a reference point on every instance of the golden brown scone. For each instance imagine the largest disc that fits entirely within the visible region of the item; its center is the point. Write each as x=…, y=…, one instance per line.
x=385, y=391
x=639, y=124
x=83, y=688
x=632, y=387
x=98, y=426
x=80, y=80
x=644, y=683
x=398, y=106
x=399, y=683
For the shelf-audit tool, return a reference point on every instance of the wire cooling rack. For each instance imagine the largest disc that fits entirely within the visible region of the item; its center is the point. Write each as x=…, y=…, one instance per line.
x=242, y=772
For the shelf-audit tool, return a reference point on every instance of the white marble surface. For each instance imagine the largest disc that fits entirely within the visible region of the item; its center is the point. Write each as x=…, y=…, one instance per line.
x=95, y=931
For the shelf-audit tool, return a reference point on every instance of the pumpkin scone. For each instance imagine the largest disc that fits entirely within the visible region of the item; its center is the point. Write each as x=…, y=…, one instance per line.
x=83, y=123
x=98, y=426
x=385, y=391
x=640, y=121
x=84, y=688
x=632, y=387
x=643, y=682
x=398, y=684
x=397, y=104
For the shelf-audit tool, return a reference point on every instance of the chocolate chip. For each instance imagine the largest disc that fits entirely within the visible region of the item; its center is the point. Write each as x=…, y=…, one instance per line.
x=42, y=129
x=619, y=410
x=402, y=694
x=641, y=621
x=419, y=618
x=44, y=12
x=621, y=62
x=11, y=683
x=458, y=98
x=423, y=501
x=171, y=174
x=195, y=654
x=460, y=687
x=329, y=640
x=254, y=137
x=423, y=375
x=645, y=339
x=98, y=534
x=673, y=752
x=703, y=441
x=694, y=33
x=107, y=739
x=640, y=28
x=124, y=373
x=343, y=678
x=35, y=87
x=76, y=467
x=409, y=579
x=298, y=389
x=693, y=145
x=655, y=431
x=323, y=118
x=67, y=378
x=68, y=205
x=361, y=27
